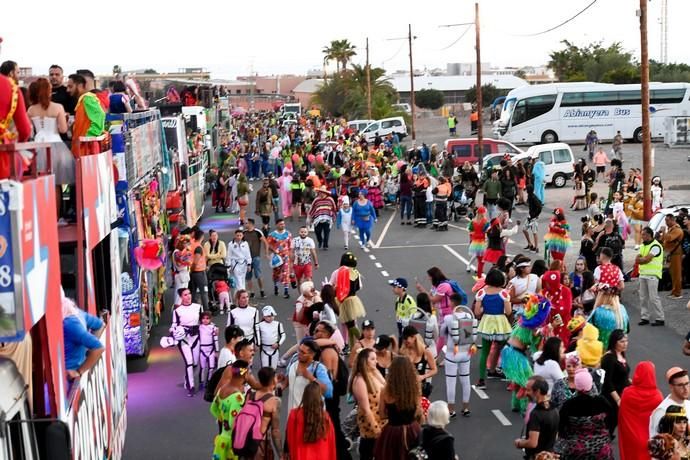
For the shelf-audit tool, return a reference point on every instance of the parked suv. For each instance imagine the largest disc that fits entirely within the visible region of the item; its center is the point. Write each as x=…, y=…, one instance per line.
x=558, y=158
x=385, y=127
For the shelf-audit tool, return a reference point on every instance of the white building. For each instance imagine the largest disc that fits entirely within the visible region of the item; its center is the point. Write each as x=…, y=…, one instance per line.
x=453, y=87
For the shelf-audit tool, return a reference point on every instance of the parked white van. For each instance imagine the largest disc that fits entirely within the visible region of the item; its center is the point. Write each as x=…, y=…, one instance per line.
x=385, y=127
x=558, y=158
x=359, y=125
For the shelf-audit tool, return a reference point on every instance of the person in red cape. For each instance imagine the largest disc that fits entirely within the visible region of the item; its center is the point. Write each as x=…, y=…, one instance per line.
x=561, y=304
x=310, y=432
x=635, y=408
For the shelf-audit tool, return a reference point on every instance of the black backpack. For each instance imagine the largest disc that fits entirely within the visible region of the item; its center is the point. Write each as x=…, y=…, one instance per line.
x=210, y=391
x=341, y=377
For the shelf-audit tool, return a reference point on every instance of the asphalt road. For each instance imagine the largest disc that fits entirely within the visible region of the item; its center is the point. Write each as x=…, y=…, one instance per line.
x=163, y=423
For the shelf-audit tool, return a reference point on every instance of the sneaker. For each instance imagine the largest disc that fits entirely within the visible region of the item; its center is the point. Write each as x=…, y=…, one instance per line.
x=453, y=414
x=481, y=384
x=495, y=374
x=528, y=247
x=468, y=269
x=263, y=295
x=190, y=393
x=346, y=248
x=659, y=322
x=286, y=295
x=466, y=412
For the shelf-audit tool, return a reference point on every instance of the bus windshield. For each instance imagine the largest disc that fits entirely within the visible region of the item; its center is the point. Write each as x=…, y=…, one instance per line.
x=507, y=112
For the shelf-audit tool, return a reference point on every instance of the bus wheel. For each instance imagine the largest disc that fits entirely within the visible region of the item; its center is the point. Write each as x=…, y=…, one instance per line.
x=549, y=137
x=637, y=135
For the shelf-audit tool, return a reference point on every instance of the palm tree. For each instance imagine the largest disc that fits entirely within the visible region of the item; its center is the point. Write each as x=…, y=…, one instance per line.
x=340, y=51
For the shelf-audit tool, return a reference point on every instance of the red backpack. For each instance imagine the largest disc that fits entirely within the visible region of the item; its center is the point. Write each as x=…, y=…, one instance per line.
x=246, y=432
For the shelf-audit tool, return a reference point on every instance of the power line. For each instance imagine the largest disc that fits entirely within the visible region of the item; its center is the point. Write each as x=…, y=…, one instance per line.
x=562, y=23
x=459, y=38
x=396, y=53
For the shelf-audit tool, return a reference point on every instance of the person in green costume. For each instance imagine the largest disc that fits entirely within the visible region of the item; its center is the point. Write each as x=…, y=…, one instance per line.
x=226, y=405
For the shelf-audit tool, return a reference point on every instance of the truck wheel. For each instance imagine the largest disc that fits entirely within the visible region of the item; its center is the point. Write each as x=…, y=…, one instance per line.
x=559, y=180
x=549, y=137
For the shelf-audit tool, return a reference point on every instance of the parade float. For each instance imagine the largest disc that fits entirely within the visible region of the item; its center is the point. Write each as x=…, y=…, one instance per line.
x=143, y=166
x=42, y=413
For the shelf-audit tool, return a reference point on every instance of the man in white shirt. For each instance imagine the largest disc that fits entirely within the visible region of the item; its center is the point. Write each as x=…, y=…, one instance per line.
x=679, y=384
x=303, y=256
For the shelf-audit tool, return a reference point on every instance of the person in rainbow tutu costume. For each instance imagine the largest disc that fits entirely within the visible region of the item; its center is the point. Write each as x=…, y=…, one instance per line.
x=557, y=239
x=526, y=336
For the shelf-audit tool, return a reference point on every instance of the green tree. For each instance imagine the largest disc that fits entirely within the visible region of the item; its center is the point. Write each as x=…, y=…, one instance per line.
x=340, y=51
x=669, y=72
x=520, y=74
x=622, y=75
x=489, y=93
x=150, y=71
x=428, y=99
x=594, y=62
x=346, y=94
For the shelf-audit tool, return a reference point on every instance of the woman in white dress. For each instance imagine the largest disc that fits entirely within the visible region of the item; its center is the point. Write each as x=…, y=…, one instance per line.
x=524, y=284
x=49, y=121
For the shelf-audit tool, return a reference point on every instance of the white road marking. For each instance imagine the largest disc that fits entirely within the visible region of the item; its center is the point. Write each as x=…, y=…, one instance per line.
x=458, y=256
x=481, y=393
x=385, y=273
x=378, y=265
x=501, y=418
x=372, y=256
x=385, y=230
x=366, y=249
x=422, y=246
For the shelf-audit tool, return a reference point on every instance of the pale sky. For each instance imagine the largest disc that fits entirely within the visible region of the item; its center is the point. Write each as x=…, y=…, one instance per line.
x=272, y=37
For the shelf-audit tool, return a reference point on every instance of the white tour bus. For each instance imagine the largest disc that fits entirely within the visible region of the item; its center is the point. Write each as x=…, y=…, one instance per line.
x=566, y=112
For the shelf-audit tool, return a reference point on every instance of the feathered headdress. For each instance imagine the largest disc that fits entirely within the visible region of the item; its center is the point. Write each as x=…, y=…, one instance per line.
x=536, y=312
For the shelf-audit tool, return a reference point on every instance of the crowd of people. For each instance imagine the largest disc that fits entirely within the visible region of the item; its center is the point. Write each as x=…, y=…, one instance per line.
x=558, y=337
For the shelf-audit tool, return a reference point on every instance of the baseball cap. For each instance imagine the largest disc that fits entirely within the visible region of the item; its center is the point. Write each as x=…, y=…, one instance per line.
x=673, y=372
x=382, y=342
x=368, y=324
x=398, y=282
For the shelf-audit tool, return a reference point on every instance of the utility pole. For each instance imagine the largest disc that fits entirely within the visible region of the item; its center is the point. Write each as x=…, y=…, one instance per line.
x=412, y=106
x=646, y=135
x=478, y=82
x=368, y=84
x=480, y=128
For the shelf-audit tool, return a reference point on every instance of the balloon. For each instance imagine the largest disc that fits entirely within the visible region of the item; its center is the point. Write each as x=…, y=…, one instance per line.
x=295, y=158
x=399, y=164
x=311, y=158
x=319, y=159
